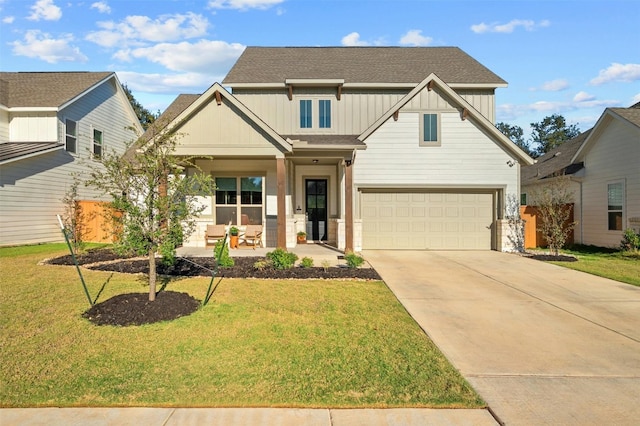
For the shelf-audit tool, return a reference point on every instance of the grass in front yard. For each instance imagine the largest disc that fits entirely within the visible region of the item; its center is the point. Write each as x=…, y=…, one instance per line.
x=608, y=263
x=257, y=343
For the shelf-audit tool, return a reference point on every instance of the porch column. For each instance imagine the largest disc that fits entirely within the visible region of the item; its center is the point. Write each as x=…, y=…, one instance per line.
x=282, y=215
x=348, y=208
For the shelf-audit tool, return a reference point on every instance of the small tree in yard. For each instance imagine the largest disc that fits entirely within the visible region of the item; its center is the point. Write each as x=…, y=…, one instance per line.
x=154, y=203
x=74, y=218
x=552, y=200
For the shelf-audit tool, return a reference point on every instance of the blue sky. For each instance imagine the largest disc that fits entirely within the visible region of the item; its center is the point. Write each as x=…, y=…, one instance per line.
x=569, y=57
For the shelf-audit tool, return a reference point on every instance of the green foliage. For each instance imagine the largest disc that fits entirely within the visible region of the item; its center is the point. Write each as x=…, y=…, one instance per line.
x=630, y=240
x=261, y=264
x=550, y=133
x=146, y=117
x=302, y=234
x=353, y=260
x=233, y=231
x=516, y=134
x=221, y=254
x=282, y=259
x=154, y=203
x=306, y=262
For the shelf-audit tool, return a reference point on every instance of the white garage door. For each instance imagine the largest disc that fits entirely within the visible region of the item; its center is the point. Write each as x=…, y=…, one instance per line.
x=430, y=220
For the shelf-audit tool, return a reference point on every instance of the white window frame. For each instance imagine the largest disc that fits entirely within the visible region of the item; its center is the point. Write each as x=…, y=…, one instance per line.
x=93, y=143
x=621, y=210
x=438, y=141
x=315, y=114
x=66, y=135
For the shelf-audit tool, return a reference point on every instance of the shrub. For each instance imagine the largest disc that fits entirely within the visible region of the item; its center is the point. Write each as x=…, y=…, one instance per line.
x=326, y=265
x=282, y=259
x=261, y=264
x=630, y=240
x=224, y=260
x=353, y=260
x=306, y=262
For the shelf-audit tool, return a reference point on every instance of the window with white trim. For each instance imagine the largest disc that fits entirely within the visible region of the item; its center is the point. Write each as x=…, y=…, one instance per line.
x=97, y=143
x=71, y=136
x=615, y=204
x=245, y=209
x=429, y=129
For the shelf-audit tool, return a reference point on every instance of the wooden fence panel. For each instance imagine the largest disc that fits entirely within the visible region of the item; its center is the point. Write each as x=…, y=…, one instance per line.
x=532, y=237
x=96, y=223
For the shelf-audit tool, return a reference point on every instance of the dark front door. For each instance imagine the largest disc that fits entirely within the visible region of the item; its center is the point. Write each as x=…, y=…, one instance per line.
x=316, y=203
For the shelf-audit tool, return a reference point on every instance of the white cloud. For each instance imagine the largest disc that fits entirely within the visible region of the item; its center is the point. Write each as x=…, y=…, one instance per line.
x=583, y=97
x=45, y=9
x=134, y=30
x=41, y=46
x=415, y=38
x=168, y=83
x=243, y=4
x=555, y=85
x=102, y=7
x=204, y=56
x=353, y=39
x=8, y=19
x=509, y=27
x=617, y=72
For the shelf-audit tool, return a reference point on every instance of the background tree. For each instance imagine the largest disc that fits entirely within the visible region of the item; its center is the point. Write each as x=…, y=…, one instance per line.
x=154, y=203
x=551, y=132
x=145, y=116
x=552, y=200
x=516, y=134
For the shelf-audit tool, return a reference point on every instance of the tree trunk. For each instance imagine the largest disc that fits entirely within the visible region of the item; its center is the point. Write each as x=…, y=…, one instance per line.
x=152, y=275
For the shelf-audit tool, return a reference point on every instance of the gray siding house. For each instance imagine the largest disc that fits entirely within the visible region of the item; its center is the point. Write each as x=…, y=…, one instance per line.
x=360, y=147
x=52, y=124
x=603, y=165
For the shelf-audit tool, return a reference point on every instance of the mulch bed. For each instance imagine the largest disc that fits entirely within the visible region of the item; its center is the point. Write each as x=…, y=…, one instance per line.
x=135, y=308
x=551, y=258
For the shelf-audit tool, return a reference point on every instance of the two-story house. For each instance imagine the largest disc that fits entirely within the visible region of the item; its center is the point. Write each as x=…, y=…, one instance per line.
x=52, y=126
x=361, y=147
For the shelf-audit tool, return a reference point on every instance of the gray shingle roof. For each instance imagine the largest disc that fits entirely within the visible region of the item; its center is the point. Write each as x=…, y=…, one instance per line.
x=409, y=65
x=15, y=150
x=178, y=105
x=45, y=89
x=631, y=114
x=558, y=160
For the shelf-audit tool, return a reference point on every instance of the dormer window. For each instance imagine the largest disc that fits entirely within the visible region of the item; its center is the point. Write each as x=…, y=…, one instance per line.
x=315, y=114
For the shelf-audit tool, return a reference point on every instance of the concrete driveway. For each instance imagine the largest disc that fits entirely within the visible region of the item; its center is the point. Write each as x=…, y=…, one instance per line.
x=542, y=344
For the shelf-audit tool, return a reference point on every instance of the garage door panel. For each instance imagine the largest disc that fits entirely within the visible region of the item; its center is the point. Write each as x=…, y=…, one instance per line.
x=427, y=220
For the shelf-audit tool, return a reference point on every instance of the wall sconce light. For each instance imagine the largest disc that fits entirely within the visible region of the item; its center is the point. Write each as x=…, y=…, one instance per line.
x=314, y=161
x=347, y=162
x=511, y=163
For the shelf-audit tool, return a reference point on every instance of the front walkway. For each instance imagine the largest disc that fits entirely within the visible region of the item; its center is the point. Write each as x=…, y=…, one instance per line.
x=542, y=344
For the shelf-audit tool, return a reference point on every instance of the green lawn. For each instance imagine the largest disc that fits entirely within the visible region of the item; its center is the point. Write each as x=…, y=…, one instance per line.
x=613, y=264
x=257, y=343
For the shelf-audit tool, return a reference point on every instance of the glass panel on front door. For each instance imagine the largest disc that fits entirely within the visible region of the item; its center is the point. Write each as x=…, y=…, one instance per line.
x=316, y=205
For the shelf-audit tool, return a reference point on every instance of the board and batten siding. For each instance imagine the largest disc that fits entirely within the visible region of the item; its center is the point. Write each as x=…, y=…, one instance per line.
x=352, y=114
x=32, y=189
x=613, y=157
x=225, y=130
x=466, y=157
x=4, y=125
x=33, y=127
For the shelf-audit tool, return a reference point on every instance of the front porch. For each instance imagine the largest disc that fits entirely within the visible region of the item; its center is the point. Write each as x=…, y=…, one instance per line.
x=318, y=252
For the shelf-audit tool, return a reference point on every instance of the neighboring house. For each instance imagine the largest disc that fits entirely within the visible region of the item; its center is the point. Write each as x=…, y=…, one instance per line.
x=52, y=125
x=603, y=165
x=361, y=147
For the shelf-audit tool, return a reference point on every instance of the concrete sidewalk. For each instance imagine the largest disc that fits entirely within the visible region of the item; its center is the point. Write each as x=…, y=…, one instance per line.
x=240, y=417
x=542, y=344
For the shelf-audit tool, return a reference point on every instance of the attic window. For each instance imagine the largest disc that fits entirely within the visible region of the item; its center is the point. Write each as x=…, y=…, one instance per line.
x=429, y=130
